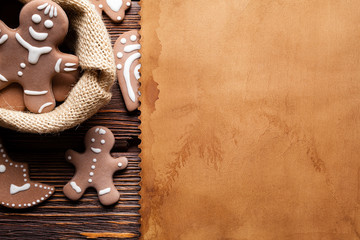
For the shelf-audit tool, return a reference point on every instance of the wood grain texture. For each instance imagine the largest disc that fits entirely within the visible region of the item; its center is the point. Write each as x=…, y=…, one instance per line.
x=60, y=218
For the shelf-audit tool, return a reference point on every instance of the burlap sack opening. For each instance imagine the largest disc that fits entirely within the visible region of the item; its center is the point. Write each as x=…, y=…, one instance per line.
x=93, y=47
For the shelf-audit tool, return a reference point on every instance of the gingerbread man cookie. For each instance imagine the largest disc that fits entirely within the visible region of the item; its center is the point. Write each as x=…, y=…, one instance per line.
x=115, y=9
x=29, y=55
x=95, y=167
x=126, y=50
x=16, y=189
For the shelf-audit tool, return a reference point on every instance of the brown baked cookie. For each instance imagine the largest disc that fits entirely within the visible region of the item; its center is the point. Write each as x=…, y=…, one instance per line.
x=115, y=9
x=12, y=98
x=16, y=188
x=63, y=83
x=95, y=167
x=29, y=55
x=126, y=50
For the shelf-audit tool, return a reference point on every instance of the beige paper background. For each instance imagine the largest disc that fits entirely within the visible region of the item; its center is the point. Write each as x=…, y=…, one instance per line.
x=255, y=133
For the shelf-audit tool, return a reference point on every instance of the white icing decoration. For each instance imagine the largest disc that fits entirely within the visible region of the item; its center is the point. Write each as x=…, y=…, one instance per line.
x=44, y=106
x=118, y=18
x=119, y=66
x=2, y=168
x=136, y=72
x=93, y=140
x=119, y=164
x=127, y=67
x=38, y=36
x=114, y=5
x=15, y=189
x=102, y=131
x=70, y=69
x=128, y=4
x=3, y=38
x=70, y=64
x=104, y=191
x=102, y=141
x=91, y=174
x=101, y=6
x=133, y=38
x=55, y=12
x=75, y=187
x=57, y=65
x=35, y=93
x=93, y=167
x=48, y=24
x=123, y=40
x=51, y=12
x=131, y=48
x=97, y=129
x=22, y=65
x=90, y=180
x=2, y=78
x=94, y=160
x=96, y=150
x=36, y=18
x=69, y=157
x=20, y=74
x=119, y=55
x=41, y=7
x=47, y=10
x=34, y=52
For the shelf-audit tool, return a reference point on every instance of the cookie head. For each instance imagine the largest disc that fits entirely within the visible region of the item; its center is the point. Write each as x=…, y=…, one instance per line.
x=43, y=22
x=99, y=140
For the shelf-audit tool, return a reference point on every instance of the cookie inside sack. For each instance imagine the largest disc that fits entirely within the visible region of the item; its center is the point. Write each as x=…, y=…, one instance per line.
x=36, y=73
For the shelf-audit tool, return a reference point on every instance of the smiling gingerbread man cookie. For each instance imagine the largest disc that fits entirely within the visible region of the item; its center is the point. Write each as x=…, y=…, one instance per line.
x=95, y=167
x=115, y=9
x=16, y=189
x=29, y=55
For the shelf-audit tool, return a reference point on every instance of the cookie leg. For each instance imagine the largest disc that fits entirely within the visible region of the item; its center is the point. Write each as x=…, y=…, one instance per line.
x=63, y=83
x=39, y=101
x=108, y=194
x=75, y=188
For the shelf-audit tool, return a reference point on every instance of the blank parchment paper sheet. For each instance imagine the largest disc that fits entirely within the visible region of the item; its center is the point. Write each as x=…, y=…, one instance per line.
x=250, y=119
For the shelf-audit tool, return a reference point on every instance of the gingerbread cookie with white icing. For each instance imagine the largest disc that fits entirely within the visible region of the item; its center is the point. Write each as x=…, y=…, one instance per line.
x=29, y=55
x=16, y=189
x=115, y=9
x=95, y=167
x=126, y=50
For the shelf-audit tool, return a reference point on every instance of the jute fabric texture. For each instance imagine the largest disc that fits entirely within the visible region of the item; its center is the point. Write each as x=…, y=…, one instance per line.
x=91, y=92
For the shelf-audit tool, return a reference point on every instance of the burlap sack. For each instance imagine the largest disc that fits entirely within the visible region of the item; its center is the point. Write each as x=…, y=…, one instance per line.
x=93, y=47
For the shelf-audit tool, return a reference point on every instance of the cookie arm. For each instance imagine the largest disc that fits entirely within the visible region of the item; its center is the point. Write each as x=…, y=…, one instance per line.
x=120, y=163
x=4, y=33
x=66, y=63
x=73, y=157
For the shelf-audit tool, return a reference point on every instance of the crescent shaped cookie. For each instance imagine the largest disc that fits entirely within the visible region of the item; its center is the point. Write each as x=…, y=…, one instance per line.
x=16, y=189
x=126, y=50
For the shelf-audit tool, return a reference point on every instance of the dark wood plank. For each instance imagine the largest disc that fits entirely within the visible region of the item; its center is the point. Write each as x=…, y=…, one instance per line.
x=59, y=218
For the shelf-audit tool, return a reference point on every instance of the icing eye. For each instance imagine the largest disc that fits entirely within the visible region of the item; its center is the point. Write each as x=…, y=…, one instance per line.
x=102, y=141
x=93, y=140
x=36, y=18
x=48, y=24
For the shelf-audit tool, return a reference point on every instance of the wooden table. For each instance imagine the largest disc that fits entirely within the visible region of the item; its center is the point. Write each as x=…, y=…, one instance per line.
x=59, y=218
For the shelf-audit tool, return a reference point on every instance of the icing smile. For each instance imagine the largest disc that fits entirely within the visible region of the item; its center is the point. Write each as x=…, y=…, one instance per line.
x=37, y=36
x=96, y=150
